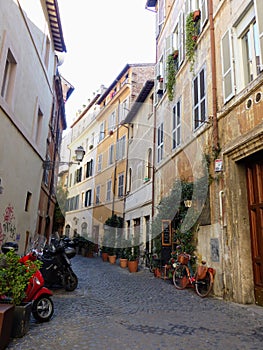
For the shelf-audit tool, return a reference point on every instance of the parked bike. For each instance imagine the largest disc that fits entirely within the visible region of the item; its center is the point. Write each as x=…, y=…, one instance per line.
x=56, y=268
x=202, y=279
x=42, y=305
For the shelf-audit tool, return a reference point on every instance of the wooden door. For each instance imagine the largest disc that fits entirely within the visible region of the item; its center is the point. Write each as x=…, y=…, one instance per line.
x=255, y=206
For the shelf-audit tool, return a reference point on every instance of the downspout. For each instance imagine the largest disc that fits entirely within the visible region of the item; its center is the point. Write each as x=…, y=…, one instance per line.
x=213, y=71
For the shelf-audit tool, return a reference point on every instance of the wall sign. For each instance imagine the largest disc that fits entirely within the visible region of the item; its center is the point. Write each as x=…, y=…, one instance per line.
x=166, y=233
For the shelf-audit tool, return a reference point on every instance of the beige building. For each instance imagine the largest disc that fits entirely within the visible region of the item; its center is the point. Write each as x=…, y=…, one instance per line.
x=30, y=44
x=138, y=200
x=212, y=111
x=100, y=188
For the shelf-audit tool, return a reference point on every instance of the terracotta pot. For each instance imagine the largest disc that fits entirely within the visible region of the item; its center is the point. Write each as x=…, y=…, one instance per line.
x=112, y=259
x=104, y=256
x=123, y=263
x=196, y=15
x=133, y=266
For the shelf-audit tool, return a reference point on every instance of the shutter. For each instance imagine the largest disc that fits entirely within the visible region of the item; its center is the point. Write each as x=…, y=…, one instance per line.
x=181, y=40
x=204, y=13
x=259, y=11
x=227, y=66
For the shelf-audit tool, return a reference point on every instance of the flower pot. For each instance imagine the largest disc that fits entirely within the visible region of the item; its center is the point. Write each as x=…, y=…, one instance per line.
x=112, y=259
x=21, y=320
x=104, y=257
x=123, y=263
x=133, y=266
x=176, y=53
x=196, y=15
x=6, y=320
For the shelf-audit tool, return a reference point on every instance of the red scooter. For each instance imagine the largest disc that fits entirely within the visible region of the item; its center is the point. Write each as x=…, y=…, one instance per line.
x=42, y=305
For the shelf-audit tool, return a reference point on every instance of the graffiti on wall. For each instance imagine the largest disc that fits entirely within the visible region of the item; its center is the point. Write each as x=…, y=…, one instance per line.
x=8, y=226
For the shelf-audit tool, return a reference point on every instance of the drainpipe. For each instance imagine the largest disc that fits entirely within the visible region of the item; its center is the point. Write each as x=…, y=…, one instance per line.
x=213, y=70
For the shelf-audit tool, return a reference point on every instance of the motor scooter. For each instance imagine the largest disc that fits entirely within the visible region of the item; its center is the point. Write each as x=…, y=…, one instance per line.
x=56, y=268
x=42, y=304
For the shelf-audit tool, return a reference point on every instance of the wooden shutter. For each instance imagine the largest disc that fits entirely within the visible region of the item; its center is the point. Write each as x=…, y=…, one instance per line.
x=181, y=40
x=227, y=66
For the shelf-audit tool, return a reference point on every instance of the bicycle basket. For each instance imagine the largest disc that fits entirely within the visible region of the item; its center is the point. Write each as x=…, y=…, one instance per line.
x=183, y=259
x=201, y=272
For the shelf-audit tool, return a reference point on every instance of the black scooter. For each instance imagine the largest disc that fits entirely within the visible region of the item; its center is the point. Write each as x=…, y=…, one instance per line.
x=56, y=268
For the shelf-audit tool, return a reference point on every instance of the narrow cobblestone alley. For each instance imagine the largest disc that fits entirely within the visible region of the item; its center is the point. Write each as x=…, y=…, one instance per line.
x=114, y=309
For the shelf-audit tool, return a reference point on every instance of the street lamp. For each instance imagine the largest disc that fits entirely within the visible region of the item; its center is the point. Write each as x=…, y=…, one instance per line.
x=79, y=152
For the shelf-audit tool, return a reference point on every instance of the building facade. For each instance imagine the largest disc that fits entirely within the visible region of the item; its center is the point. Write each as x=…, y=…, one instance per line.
x=30, y=105
x=209, y=127
x=102, y=186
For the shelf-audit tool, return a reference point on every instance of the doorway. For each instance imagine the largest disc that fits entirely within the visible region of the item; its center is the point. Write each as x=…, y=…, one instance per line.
x=254, y=175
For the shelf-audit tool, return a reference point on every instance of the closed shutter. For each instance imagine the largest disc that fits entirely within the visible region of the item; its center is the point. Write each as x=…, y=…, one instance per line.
x=181, y=41
x=227, y=66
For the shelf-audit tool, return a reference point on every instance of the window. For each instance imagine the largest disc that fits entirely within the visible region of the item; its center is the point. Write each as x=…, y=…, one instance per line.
x=98, y=194
x=78, y=175
x=112, y=121
x=109, y=190
x=88, y=198
x=102, y=131
x=149, y=166
x=227, y=66
x=160, y=16
x=250, y=53
x=111, y=154
x=28, y=201
x=121, y=185
x=99, y=162
x=9, y=77
x=176, y=122
x=199, y=96
x=160, y=143
x=124, y=109
x=47, y=51
x=39, y=126
x=121, y=145
x=89, y=169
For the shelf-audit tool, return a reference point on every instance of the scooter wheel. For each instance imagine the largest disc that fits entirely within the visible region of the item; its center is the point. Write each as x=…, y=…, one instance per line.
x=71, y=282
x=43, y=309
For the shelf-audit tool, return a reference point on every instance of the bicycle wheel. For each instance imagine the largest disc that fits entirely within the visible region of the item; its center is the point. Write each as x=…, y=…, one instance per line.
x=203, y=287
x=181, y=276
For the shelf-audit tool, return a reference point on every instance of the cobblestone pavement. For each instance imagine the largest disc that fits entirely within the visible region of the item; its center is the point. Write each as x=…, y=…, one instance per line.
x=113, y=309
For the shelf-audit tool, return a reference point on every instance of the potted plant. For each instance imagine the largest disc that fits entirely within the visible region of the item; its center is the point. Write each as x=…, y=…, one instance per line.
x=112, y=255
x=133, y=259
x=124, y=257
x=14, y=277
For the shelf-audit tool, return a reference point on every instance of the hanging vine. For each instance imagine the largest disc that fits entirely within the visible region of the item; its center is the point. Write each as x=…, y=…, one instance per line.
x=171, y=71
x=192, y=31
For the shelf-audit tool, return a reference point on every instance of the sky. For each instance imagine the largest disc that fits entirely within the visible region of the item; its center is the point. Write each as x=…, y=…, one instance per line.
x=101, y=37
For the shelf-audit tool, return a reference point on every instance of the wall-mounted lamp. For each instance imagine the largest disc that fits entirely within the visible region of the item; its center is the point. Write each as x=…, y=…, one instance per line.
x=188, y=203
x=79, y=152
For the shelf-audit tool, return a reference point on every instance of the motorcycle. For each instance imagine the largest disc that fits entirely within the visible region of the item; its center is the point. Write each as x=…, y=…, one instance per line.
x=56, y=268
x=36, y=292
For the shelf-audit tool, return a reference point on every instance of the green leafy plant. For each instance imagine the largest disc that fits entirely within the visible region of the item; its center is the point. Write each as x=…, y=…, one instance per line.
x=15, y=276
x=171, y=71
x=134, y=253
x=192, y=31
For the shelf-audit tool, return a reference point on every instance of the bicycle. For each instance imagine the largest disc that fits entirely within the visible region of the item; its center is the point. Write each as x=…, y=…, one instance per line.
x=202, y=279
x=149, y=260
